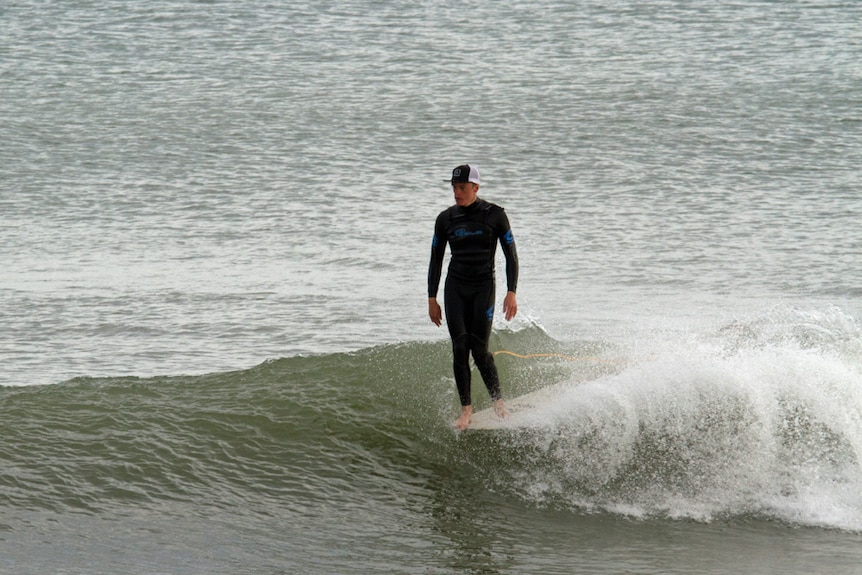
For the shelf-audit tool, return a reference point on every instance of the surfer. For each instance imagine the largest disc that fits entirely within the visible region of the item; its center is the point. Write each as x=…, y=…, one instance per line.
x=472, y=228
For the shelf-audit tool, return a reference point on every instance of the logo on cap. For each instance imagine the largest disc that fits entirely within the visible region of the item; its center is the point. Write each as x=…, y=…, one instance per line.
x=465, y=173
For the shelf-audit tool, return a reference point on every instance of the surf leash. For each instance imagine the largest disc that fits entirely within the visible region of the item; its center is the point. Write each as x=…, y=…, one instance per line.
x=557, y=355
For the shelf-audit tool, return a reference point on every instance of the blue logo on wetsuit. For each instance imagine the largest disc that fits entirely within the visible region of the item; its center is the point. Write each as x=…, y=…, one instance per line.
x=434, y=241
x=490, y=313
x=509, y=238
x=462, y=233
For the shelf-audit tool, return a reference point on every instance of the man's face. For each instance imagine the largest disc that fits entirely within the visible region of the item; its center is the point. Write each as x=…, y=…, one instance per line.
x=465, y=193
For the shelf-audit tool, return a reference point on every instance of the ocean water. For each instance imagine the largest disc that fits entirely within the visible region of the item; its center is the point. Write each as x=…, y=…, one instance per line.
x=215, y=223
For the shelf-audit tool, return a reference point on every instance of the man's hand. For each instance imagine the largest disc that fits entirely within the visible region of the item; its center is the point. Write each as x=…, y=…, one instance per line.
x=510, y=305
x=434, y=311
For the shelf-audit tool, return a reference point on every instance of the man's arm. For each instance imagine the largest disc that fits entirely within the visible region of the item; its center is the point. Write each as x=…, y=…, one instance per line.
x=435, y=270
x=507, y=242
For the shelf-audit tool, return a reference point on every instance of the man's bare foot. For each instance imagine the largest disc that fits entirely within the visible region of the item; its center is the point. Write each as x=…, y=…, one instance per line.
x=466, y=414
x=500, y=409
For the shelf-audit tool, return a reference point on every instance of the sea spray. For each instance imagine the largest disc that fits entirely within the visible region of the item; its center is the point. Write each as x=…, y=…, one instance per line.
x=759, y=420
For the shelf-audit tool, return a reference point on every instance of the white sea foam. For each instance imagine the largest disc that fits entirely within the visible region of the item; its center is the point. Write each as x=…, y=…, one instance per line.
x=769, y=424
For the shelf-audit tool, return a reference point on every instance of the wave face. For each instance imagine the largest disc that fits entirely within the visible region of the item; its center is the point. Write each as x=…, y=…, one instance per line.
x=760, y=418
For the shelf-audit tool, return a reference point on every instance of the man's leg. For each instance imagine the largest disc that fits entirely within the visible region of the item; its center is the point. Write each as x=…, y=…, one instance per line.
x=456, y=309
x=480, y=336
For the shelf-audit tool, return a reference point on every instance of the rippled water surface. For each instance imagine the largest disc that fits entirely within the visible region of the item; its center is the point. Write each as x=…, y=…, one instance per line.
x=192, y=188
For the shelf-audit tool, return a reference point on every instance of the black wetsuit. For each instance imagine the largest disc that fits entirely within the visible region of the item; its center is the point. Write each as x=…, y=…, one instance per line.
x=472, y=233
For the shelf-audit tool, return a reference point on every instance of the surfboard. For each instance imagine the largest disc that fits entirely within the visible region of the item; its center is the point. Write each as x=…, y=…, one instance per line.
x=525, y=411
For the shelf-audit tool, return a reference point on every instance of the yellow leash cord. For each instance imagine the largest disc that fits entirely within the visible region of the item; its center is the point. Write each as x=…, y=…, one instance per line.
x=557, y=355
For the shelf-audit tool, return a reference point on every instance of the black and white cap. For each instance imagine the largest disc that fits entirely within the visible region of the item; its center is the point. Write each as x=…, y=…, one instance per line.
x=465, y=173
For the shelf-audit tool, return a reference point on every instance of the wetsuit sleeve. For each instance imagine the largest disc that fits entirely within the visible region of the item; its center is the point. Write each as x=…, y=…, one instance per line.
x=507, y=242
x=438, y=250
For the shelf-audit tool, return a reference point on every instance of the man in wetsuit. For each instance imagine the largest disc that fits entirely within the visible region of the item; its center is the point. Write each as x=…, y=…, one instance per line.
x=472, y=228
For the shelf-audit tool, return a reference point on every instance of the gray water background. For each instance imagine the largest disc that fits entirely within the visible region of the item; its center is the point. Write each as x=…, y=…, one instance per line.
x=194, y=187
x=191, y=187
